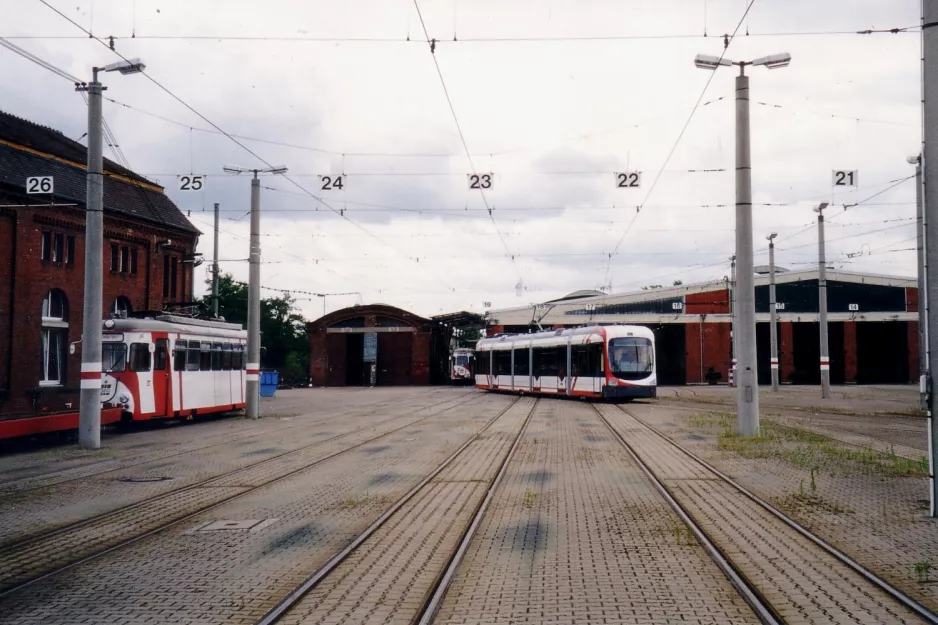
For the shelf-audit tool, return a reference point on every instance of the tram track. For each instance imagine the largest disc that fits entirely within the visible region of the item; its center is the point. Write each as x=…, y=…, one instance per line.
x=27, y=561
x=282, y=611
x=782, y=570
x=9, y=486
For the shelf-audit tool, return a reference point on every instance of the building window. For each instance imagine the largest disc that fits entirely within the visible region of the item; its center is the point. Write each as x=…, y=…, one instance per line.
x=125, y=259
x=70, y=251
x=45, y=249
x=58, y=248
x=54, y=338
x=121, y=307
x=165, y=276
x=133, y=260
x=115, y=257
x=174, y=265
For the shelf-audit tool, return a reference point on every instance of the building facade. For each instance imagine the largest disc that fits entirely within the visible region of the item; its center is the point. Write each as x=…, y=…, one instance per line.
x=149, y=250
x=873, y=326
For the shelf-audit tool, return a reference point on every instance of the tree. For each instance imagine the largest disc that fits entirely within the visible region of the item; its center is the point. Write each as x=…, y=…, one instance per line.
x=678, y=282
x=284, y=341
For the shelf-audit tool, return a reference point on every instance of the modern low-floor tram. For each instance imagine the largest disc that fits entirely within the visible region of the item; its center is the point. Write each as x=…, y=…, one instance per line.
x=609, y=362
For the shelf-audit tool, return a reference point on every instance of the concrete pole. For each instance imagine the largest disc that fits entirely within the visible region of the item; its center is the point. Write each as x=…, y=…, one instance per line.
x=89, y=416
x=920, y=245
x=773, y=330
x=215, y=267
x=822, y=306
x=930, y=193
x=252, y=375
x=733, y=325
x=748, y=389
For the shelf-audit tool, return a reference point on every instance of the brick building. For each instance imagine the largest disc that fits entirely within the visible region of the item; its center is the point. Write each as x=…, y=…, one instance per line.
x=148, y=252
x=402, y=347
x=872, y=320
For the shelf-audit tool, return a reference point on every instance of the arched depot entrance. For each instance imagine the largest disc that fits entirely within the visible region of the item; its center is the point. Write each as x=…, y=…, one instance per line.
x=374, y=345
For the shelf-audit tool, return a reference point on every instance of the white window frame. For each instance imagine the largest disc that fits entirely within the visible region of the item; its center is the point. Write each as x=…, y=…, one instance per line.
x=58, y=326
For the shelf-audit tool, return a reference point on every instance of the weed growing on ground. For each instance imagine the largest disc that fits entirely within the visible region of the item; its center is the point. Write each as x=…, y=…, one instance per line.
x=711, y=419
x=923, y=569
x=530, y=498
x=356, y=501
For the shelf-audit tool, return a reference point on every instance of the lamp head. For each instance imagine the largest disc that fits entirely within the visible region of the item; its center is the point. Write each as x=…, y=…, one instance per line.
x=130, y=66
x=772, y=236
x=707, y=61
x=234, y=169
x=774, y=61
x=914, y=160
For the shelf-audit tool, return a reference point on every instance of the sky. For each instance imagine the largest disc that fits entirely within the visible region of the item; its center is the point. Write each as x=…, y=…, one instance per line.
x=549, y=97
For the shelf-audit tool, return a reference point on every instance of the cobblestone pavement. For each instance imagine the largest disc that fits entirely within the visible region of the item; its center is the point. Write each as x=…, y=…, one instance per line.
x=38, y=510
x=195, y=573
x=389, y=577
x=874, y=516
x=49, y=462
x=577, y=534
x=20, y=562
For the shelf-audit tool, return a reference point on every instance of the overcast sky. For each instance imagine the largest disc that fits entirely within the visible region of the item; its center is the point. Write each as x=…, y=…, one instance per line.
x=552, y=97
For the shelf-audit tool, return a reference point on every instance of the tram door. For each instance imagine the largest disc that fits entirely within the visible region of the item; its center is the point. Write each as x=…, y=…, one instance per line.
x=162, y=380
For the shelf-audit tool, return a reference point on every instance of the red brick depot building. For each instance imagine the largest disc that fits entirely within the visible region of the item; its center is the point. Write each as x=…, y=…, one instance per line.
x=149, y=250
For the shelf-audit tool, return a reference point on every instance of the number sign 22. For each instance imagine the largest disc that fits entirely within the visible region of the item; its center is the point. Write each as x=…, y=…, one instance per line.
x=189, y=182
x=480, y=181
x=628, y=179
x=39, y=184
x=331, y=182
x=845, y=177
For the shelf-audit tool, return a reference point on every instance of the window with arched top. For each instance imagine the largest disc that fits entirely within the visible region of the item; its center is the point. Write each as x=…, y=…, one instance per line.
x=121, y=307
x=54, y=338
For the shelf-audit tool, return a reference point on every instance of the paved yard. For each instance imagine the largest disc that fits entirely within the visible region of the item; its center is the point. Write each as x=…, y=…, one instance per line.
x=217, y=521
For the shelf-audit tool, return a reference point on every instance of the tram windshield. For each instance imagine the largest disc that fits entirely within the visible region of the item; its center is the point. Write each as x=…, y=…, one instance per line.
x=631, y=358
x=113, y=357
x=462, y=359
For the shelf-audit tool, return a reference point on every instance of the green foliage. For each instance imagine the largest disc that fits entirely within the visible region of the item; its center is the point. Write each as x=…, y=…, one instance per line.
x=678, y=282
x=283, y=330
x=922, y=570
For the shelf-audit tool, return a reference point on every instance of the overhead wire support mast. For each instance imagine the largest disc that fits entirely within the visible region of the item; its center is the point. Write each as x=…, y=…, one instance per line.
x=462, y=138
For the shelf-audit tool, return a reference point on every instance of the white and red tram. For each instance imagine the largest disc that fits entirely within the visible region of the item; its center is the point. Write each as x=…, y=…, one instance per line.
x=610, y=362
x=170, y=366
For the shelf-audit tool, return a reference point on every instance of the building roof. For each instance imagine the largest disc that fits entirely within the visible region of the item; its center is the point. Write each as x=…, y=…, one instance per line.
x=29, y=149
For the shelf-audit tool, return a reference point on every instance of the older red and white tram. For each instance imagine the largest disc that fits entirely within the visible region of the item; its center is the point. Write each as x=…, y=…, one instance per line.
x=170, y=366
x=611, y=362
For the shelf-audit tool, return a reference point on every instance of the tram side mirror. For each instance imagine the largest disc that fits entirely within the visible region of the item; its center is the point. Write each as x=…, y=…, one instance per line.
x=152, y=347
x=71, y=349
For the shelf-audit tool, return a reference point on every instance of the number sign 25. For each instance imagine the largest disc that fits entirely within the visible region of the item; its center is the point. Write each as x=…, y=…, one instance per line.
x=331, y=182
x=628, y=179
x=846, y=177
x=480, y=181
x=39, y=184
x=189, y=182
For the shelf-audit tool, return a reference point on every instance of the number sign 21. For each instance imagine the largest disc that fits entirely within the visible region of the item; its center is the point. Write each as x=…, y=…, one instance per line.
x=846, y=177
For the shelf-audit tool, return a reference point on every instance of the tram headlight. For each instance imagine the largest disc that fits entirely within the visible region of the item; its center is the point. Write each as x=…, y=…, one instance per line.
x=124, y=398
x=614, y=382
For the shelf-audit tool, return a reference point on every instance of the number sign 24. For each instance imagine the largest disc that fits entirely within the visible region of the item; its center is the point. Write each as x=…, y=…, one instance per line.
x=332, y=182
x=190, y=182
x=628, y=179
x=39, y=184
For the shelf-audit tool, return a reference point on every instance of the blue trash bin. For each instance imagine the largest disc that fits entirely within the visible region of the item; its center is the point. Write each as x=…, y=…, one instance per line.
x=269, y=381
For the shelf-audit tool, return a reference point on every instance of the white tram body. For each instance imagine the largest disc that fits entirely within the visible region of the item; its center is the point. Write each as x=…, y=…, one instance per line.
x=610, y=362
x=169, y=366
x=461, y=365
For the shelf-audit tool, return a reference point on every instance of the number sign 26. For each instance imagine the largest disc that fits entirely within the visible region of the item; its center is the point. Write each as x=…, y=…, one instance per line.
x=628, y=179
x=845, y=177
x=480, y=181
x=189, y=182
x=331, y=182
x=39, y=184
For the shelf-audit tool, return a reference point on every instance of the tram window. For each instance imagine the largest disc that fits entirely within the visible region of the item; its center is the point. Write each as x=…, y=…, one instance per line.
x=179, y=358
x=586, y=360
x=159, y=356
x=545, y=361
x=140, y=357
x=237, y=358
x=561, y=361
x=521, y=362
x=502, y=362
x=226, y=358
x=205, y=359
x=216, y=357
x=114, y=357
x=482, y=362
x=193, y=354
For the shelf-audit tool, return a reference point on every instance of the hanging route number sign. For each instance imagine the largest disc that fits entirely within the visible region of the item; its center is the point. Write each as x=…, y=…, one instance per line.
x=191, y=182
x=845, y=177
x=39, y=184
x=628, y=179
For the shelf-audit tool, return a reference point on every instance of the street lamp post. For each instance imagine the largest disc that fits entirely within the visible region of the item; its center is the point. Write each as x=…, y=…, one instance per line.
x=822, y=303
x=920, y=247
x=253, y=365
x=89, y=410
x=747, y=401
x=773, y=331
x=734, y=334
